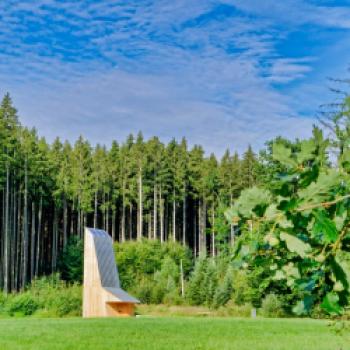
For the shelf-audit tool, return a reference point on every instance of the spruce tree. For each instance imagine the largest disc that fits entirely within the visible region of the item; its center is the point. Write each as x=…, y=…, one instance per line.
x=249, y=168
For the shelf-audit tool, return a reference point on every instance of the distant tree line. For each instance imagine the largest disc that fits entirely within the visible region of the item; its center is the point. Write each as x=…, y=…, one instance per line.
x=135, y=189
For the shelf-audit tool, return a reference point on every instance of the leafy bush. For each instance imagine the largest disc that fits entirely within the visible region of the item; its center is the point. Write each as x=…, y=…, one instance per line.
x=139, y=259
x=68, y=302
x=272, y=306
x=151, y=270
x=47, y=296
x=22, y=304
x=147, y=292
x=2, y=302
x=241, y=288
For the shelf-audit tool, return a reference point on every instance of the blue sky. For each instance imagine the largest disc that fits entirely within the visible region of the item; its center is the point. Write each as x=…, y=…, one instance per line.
x=224, y=74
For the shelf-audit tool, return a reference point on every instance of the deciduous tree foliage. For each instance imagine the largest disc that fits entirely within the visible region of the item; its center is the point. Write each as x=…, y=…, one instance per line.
x=296, y=230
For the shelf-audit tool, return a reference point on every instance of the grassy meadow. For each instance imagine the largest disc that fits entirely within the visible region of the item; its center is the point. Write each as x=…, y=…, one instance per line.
x=155, y=333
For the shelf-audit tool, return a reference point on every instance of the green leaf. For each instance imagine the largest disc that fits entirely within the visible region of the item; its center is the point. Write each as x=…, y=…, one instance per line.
x=303, y=307
x=345, y=159
x=287, y=205
x=339, y=220
x=307, y=150
x=231, y=214
x=282, y=154
x=244, y=250
x=272, y=212
x=250, y=199
x=331, y=305
x=295, y=245
x=320, y=190
x=306, y=284
x=283, y=222
x=291, y=270
x=324, y=229
x=339, y=272
x=279, y=275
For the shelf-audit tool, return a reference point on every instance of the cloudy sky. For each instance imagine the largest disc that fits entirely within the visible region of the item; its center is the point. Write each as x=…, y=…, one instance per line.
x=224, y=74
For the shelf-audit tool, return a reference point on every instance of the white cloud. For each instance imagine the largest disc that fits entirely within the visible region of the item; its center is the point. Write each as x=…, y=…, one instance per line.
x=111, y=105
x=297, y=12
x=108, y=68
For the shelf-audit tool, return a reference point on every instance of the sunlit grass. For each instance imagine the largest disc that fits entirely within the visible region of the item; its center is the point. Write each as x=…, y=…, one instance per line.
x=169, y=333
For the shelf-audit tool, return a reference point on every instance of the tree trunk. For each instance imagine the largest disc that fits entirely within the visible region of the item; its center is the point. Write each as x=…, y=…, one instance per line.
x=95, y=210
x=2, y=232
x=232, y=229
x=184, y=238
x=72, y=220
x=55, y=240
x=130, y=222
x=161, y=213
x=14, y=239
x=195, y=231
x=174, y=219
x=38, y=251
x=140, y=208
x=7, y=234
x=65, y=219
x=84, y=223
x=149, y=226
x=202, y=223
x=199, y=227
x=213, y=232
x=107, y=213
x=32, y=243
x=79, y=218
x=113, y=224
x=104, y=212
x=204, y=227
x=155, y=214
x=182, y=279
x=20, y=241
x=25, y=228
x=123, y=214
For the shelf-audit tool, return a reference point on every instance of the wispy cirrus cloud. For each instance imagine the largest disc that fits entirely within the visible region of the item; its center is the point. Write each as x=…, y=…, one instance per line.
x=298, y=12
x=210, y=70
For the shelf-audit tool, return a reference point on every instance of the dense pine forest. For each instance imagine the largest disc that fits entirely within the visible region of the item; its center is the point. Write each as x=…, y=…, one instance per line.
x=134, y=189
x=268, y=231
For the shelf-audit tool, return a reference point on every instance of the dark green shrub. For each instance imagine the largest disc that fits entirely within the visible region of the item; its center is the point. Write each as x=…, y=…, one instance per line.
x=150, y=270
x=70, y=262
x=144, y=291
x=224, y=291
x=68, y=301
x=210, y=285
x=22, y=304
x=162, y=286
x=196, y=289
x=139, y=259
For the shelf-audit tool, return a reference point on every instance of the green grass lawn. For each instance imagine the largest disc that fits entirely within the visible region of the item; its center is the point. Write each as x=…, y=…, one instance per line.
x=169, y=333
